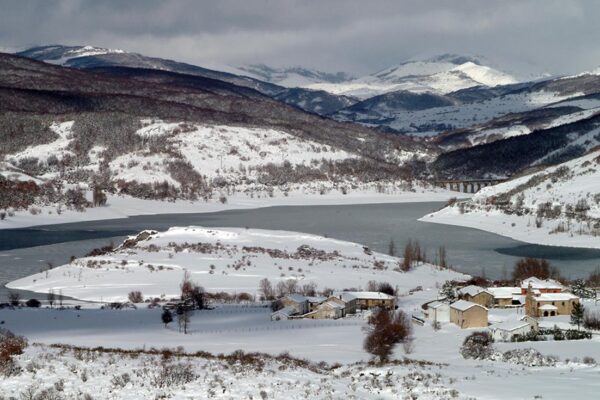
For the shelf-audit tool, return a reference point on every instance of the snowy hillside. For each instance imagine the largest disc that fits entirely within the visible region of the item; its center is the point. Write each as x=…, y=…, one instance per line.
x=231, y=260
x=441, y=74
x=559, y=205
x=440, y=117
x=517, y=124
x=158, y=160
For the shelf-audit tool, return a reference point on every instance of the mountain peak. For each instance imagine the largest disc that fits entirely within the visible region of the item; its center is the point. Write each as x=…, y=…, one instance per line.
x=60, y=54
x=451, y=58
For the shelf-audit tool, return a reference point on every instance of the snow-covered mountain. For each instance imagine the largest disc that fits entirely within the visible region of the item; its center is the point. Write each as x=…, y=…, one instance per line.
x=291, y=76
x=90, y=57
x=268, y=81
x=152, y=134
x=62, y=55
x=558, y=205
x=440, y=74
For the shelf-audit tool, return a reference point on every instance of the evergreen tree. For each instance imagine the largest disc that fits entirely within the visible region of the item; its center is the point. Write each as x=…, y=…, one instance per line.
x=577, y=314
x=166, y=317
x=448, y=291
x=578, y=289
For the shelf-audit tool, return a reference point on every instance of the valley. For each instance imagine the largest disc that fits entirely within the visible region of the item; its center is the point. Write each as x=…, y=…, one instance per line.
x=294, y=201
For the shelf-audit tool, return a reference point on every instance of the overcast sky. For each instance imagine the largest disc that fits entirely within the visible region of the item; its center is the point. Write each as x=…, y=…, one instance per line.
x=358, y=36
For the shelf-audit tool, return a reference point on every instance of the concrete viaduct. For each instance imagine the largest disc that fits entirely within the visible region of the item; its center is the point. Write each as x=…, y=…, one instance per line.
x=468, y=185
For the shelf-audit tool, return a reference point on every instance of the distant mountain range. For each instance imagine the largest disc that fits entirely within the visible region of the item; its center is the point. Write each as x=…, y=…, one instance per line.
x=483, y=122
x=292, y=77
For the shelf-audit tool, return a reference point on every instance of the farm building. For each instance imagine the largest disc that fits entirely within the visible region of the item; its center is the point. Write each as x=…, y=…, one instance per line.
x=438, y=311
x=504, y=331
x=296, y=301
x=507, y=296
x=468, y=315
x=327, y=310
x=476, y=294
x=541, y=286
x=549, y=304
x=369, y=300
x=349, y=302
x=284, y=313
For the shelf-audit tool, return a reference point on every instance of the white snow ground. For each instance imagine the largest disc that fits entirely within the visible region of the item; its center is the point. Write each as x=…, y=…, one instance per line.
x=226, y=262
x=581, y=182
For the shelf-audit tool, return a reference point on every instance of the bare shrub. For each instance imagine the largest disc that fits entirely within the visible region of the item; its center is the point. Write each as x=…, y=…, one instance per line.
x=10, y=346
x=385, y=330
x=135, y=296
x=172, y=375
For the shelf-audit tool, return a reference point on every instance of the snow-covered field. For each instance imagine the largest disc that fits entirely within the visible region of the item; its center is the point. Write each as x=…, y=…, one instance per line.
x=241, y=257
x=443, y=373
x=229, y=260
x=571, y=189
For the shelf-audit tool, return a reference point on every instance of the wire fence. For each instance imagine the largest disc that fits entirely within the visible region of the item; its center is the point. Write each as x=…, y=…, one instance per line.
x=279, y=326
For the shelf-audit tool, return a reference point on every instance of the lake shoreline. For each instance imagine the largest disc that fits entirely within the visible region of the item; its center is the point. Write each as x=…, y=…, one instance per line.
x=120, y=207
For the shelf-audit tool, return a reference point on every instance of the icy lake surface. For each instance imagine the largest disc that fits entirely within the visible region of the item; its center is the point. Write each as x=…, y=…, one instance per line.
x=469, y=250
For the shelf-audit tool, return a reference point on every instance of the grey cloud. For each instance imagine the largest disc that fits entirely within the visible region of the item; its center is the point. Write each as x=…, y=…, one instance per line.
x=357, y=36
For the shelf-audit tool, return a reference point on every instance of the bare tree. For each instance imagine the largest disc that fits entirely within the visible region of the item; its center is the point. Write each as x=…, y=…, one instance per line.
x=192, y=292
x=392, y=248
x=291, y=286
x=540, y=268
x=14, y=298
x=408, y=256
x=186, y=286
x=266, y=288
x=372, y=286
x=442, y=261
x=183, y=319
x=51, y=296
x=309, y=289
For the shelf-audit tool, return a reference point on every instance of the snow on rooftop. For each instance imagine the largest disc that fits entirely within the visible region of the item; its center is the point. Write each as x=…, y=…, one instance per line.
x=537, y=283
x=463, y=305
x=556, y=297
x=472, y=290
x=436, y=304
x=288, y=311
x=509, y=325
x=504, y=292
x=298, y=298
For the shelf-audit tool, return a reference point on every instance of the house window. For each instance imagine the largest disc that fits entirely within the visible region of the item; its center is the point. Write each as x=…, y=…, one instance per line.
x=563, y=303
x=553, y=304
